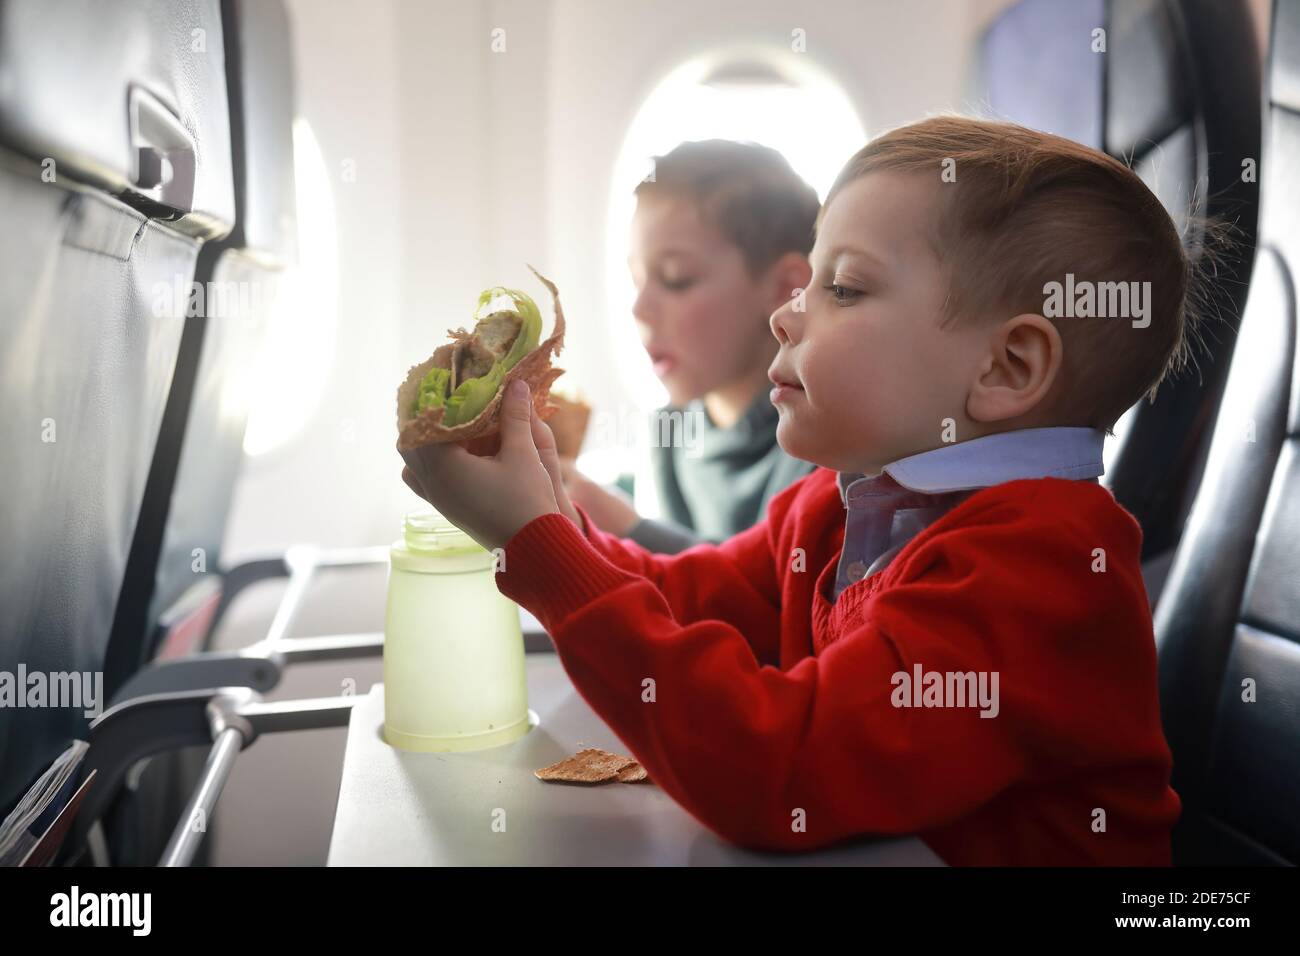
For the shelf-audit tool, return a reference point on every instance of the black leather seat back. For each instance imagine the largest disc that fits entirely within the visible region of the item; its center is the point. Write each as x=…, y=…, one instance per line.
x=1176, y=94
x=172, y=585
x=1229, y=624
x=90, y=85
x=173, y=582
x=93, y=96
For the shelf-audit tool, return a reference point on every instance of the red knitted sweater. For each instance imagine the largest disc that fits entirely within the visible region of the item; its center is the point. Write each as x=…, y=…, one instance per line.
x=782, y=721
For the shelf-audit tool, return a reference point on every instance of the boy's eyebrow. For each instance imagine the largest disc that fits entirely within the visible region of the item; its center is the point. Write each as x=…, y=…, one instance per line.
x=855, y=251
x=664, y=253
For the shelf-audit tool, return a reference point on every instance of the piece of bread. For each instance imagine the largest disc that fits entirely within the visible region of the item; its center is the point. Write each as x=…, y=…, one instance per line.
x=590, y=765
x=633, y=773
x=569, y=424
x=481, y=435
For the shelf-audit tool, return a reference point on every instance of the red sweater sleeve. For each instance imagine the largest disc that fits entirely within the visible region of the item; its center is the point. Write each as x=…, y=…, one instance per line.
x=809, y=756
x=734, y=581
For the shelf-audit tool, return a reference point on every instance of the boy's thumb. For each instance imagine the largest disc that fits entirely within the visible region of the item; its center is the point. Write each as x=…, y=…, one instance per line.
x=516, y=416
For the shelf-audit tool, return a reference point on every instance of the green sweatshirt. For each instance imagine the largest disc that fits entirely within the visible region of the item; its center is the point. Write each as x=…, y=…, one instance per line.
x=713, y=482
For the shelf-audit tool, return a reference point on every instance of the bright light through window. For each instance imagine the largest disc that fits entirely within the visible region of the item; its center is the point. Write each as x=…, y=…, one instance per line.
x=289, y=377
x=1115, y=444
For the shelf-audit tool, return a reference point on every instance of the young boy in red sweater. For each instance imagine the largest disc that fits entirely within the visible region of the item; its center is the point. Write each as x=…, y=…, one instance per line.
x=943, y=630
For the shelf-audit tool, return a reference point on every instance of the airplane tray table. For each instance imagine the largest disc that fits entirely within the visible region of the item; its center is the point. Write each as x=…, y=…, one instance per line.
x=485, y=807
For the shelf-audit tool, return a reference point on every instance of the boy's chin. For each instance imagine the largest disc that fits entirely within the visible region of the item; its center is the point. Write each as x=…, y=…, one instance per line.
x=680, y=393
x=795, y=443
x=788, y=438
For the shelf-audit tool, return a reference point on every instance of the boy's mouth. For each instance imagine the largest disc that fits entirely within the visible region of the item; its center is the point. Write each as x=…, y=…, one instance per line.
x=663, y=362
x=782, y=379
x=786, y=385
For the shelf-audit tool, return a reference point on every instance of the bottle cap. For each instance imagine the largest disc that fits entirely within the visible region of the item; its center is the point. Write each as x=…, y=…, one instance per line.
x=429, y=532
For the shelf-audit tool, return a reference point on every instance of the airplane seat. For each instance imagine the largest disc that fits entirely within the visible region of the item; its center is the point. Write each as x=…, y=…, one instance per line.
x=112, y=176
x=1176, y=95
x=1229, y=624
x=173, y=583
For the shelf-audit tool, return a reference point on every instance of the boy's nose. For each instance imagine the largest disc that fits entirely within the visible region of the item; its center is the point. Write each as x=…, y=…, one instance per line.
x=641, y=308
x=784, y=323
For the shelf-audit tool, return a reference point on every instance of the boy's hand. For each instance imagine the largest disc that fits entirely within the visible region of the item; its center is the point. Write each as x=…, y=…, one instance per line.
x=492, y=498
x=608, y=511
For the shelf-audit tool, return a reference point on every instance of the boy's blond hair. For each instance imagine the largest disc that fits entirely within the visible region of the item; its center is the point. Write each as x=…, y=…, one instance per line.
x=748, y=192
x=1019, y=209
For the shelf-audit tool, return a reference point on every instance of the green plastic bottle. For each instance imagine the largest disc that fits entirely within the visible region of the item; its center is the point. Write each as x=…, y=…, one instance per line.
x=453, y=649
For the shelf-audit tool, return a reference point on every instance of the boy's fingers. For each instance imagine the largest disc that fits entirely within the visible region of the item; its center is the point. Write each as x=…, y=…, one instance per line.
x=446, y=459
x=544, y=439
x=516, y=418
x=413, y=459
x=439, y=455
x=408, y=476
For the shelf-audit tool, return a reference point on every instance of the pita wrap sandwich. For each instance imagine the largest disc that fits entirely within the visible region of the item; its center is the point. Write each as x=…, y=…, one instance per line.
x=456, y=395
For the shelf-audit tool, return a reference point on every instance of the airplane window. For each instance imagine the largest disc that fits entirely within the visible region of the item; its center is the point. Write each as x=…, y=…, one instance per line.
x=289, y=377
x=777, y=99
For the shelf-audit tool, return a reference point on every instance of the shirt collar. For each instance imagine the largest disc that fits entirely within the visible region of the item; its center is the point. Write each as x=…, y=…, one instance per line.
x=1053, y=452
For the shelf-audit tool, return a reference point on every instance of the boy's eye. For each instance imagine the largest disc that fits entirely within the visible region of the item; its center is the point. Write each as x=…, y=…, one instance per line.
x=842, y=294
x=676, y=285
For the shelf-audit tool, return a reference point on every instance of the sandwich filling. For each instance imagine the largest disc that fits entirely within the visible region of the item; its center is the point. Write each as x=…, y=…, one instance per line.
x=468, y=371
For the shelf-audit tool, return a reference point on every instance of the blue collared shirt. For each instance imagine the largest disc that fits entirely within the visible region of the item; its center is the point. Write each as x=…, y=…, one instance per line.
x=888, y=509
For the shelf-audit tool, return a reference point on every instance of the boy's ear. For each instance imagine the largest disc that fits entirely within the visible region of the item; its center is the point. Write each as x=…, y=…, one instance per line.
x=792, y=271
x=1016, y=375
